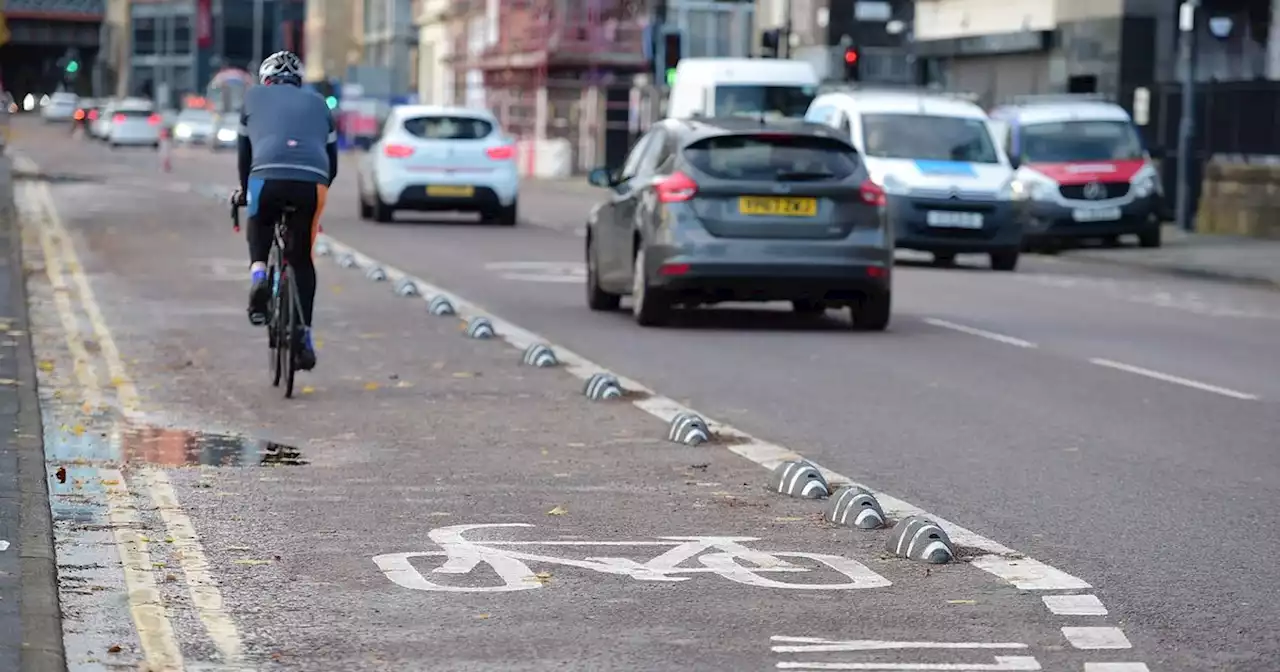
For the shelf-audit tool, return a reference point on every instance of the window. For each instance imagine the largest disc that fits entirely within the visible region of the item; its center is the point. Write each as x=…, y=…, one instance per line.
x=632, y=167
x=773, y=157
x=927, y=137
x=144, y=36
x=772, y=102
x=1079, y=141
x=448, y=128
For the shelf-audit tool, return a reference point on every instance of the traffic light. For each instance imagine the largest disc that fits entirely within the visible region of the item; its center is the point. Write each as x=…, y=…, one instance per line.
x=73, y=66
x=851, y=62
x=673, y=49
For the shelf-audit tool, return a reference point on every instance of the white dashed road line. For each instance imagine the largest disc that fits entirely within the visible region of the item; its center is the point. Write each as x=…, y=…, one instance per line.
x=1095, y=638
x=981, y=333
x=1075, y=605
x=1176, y=380
x=1116, y=667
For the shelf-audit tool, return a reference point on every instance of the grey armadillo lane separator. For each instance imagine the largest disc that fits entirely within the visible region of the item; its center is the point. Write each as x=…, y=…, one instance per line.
x=602, y=386
x=799, y=478
x=919, y=538
x=441, y=305
x=407, y=287
x=480, y=328
x=539, y=355
x=855, y=506
x=689, y=429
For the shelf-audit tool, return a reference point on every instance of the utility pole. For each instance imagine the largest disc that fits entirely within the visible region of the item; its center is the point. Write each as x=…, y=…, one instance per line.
x=1186, y=128
x=784, y=44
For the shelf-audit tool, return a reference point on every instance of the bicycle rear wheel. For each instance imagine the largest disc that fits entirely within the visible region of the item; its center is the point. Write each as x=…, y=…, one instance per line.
x=289, y=306
x=274, y=326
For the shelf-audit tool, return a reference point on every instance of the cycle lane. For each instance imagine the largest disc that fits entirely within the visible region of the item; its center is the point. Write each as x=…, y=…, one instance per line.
x=408, y=429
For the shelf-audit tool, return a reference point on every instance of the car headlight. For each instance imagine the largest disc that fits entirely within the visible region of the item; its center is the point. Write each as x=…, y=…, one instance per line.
x=182, y=131
x=1144, y=186
x=1029, y=190
x=226, y=135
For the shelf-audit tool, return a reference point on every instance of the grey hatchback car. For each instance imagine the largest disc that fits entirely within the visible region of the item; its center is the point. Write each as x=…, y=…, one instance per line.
x=736, y=209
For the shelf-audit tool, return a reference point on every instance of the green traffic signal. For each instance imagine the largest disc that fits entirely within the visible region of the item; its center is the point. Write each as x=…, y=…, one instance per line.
x=671, y=76
x=73, y=67
x=331, y=101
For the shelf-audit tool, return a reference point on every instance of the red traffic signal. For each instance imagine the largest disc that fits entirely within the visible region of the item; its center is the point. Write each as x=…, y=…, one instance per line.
x=850, y=56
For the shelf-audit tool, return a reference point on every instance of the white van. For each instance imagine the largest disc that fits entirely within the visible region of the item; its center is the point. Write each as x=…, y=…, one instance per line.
x=948, y=182
x=757, y=87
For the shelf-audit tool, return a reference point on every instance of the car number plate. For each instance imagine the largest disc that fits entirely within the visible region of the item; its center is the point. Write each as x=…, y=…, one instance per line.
x=950, y=219
x=1095, y=214
x=780, y=207
x=451, y=191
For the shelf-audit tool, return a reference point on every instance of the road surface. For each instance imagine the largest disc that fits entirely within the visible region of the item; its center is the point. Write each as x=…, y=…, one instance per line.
x=1118, y=428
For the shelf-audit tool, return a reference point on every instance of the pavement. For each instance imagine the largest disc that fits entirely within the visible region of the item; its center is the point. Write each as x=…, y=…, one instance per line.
x=1101, y=436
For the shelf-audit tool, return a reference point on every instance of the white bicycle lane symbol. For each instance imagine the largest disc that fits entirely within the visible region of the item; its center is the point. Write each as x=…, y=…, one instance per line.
x=723, y=556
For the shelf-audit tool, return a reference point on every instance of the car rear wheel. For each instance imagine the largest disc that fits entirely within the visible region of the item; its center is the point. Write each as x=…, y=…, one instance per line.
x=1004, y=261
x=366, y=212
x=871, y=312
x=1149, y=239
x=597, y=298
x=648, y=306
x=507, y=215
x=808, y=308
x=381, y=211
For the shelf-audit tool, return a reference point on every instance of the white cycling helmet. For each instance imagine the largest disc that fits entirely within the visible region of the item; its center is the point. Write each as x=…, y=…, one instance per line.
x=280, y=64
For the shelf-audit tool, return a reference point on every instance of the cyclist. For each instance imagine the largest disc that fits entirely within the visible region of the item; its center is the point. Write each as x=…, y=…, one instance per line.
x=288, y=155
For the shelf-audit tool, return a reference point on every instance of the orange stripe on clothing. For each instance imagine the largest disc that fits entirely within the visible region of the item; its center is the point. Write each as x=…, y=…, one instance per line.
x=322, y=192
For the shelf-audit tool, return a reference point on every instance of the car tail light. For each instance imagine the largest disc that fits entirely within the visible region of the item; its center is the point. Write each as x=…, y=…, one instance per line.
x=676, y=188
x=79, y=115
x=668, y=270
x=117, y=119
x=503, y=153
x=154, y=120
x=93, y=115
x=397, y=151
x=871, y=193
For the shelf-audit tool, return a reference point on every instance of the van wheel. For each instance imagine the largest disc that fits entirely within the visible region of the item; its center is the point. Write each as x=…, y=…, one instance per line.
x=1004, y=261
x=1149, y=239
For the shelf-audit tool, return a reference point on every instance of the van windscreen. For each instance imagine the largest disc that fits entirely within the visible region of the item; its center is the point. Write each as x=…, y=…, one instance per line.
x=927, y=137
x=1067, y=141
x=770, y=102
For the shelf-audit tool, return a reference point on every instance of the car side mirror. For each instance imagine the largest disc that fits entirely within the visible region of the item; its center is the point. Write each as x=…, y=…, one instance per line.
x=600, y=177
x=1014, y=162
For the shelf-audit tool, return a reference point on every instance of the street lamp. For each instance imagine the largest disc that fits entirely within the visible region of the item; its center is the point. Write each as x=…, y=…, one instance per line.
x=1186, y=125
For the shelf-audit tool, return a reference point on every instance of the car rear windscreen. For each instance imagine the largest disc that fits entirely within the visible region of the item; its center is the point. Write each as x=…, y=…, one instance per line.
x=773, y=157
x=135, y=114
x=448, y=128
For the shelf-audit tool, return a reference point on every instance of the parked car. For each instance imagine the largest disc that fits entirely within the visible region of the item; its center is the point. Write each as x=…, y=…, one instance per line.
x=438, y=159
x=193, y=126
x=133, y=125
x=1082, y=171
x=732, y=209
x=60, y=107
x=949, y=185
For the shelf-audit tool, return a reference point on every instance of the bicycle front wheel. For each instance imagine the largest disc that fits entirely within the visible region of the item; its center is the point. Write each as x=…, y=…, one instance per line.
x=274, y=327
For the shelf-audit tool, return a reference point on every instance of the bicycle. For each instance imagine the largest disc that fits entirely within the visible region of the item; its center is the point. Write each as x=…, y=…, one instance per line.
x=283, y=307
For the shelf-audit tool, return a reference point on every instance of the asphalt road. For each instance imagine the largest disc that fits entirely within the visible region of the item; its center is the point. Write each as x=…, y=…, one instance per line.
x=1117, y=425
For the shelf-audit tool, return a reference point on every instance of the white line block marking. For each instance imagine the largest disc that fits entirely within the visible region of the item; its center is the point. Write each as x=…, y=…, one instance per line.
x=1096, y=638
x=1116, y=667
x=1002, y=664
x=821, y=645
x=1176, y=380
x=1000, y=560
x=1027, y=574
x=981, y=333
x=1075, y=605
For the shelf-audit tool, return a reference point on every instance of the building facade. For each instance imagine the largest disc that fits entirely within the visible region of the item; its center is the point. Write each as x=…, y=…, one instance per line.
x=435, y=76
x=176, y=46
x=331, y=44
x=820, y=30
x=390, y=44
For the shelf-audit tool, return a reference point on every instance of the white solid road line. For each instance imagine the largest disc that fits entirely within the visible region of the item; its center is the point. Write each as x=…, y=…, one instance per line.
x=1116, y=667
x=1092, y=639
x=1176, y=380
x=981, y=333
x=821, y=645
x=998, y=559
x=1075, y=605
x=1002, y=664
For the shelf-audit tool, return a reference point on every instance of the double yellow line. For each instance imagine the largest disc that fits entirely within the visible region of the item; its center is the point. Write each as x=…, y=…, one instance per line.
x=146, y=604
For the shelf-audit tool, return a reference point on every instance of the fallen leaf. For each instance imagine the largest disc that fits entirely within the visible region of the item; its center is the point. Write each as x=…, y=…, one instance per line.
x=246, y=561
x=61, y=474
x=371, y=386
x=482, y=616
x=962, y=601
x=46, y=365
x=439, y=514
x=8, y=381
x=404, y=383
x=114, y=648
x=78, y=430
x=157, y=564
x=786, y=519
x=110, y=482
x=169, y=540
x=169, y=578
x=238, y=548
x=463, y=374
x=558, y=511
x=117, y=381
x=307, y=389
x=542, y=577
